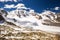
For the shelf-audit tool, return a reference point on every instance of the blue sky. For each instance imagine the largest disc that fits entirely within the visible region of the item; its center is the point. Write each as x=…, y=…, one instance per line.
x=37, y=5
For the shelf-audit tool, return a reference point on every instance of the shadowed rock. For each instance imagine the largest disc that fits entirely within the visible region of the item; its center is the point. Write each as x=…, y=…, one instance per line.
x=3, y=14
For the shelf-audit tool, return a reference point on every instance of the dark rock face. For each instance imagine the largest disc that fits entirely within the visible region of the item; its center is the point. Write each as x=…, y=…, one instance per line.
x=2, y=13
x=1, y=19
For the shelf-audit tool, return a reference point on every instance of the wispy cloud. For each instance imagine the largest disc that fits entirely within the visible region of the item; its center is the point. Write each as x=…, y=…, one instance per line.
x=18, y=6
x=9, y=6
x=56, y=8
x=9, y=0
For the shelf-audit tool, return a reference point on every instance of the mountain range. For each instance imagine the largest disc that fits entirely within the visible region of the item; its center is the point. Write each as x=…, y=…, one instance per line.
x=30, y=20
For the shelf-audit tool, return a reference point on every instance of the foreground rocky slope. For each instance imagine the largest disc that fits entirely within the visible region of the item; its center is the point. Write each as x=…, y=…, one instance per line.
x=8, y=33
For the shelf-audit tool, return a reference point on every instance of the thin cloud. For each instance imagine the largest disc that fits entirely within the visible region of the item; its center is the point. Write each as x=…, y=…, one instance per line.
x=18, y=6
x=56, y=8
x=10, y=0
x=9, y=6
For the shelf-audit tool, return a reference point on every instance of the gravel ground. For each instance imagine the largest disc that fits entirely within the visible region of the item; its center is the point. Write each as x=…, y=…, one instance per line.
x=7, y=32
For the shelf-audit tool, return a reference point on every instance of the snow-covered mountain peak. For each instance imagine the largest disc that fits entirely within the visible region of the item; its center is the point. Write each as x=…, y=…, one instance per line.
x=31, y=19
